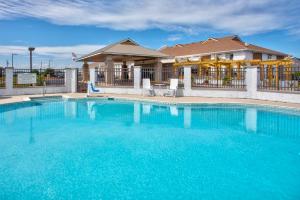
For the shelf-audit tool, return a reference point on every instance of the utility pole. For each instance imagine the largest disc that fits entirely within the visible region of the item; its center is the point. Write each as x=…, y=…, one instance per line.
x=49, y=65
x=31, y=49
x=7, y=63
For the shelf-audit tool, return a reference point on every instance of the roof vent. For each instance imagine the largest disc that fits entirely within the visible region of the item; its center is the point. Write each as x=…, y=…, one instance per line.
x=246, y=44
x=178, y=45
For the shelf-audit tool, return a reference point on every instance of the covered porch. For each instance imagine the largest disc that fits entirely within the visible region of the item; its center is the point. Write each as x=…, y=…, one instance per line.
x=114, y=64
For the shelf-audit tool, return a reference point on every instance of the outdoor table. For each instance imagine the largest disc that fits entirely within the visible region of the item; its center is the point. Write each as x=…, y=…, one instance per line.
x=160, y=85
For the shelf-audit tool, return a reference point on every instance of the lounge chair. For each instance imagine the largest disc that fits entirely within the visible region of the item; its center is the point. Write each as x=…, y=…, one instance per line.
x=92, y=89
x=147, y=87
x=172, y=91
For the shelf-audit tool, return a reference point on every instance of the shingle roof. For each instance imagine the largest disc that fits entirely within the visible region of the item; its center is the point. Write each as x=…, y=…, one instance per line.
x=125, y=47
x=216, y=45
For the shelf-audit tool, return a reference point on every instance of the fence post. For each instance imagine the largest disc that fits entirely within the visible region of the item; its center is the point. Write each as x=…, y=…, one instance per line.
x=187, y=80
x=9, y=80
x=251, y=81
x=93, y=75
x=137, y=77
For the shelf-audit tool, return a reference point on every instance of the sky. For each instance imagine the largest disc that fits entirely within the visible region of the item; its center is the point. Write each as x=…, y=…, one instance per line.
x=59, y=27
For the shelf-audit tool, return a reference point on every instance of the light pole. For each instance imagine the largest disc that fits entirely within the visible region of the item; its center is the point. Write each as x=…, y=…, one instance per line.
x=31, y=49
x=12, y=59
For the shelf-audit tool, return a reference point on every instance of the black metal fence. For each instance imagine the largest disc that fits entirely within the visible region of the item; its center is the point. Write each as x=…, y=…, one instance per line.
x=285, y=79
x=170, y=72
x=148, y=72
x=213, y=77
x=44, y=77
x=114, y=77
x=2, y=77
x=166, y=74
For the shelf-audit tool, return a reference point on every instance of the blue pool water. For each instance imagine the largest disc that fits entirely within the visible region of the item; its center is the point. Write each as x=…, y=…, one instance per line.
x=100, y=149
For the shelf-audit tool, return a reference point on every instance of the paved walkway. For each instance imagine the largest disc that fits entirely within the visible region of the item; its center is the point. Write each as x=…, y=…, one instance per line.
x=169, y=100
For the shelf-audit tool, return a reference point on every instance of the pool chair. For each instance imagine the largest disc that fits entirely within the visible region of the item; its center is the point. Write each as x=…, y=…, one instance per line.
x=172, y=91
x=92, y=89
x=147, y=88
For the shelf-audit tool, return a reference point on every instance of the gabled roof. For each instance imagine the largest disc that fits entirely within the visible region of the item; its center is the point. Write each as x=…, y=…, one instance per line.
x=126, y=47
x=216, y=45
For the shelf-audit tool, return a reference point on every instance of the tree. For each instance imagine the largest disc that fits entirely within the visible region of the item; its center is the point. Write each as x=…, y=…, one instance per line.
x=49, y=71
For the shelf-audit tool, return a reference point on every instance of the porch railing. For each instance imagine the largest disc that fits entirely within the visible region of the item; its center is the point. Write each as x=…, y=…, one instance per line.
x=48, y=77
x=285, y=79
x=218, y=78
x=148, y=72
x=166, y=74
x=106, y=77
x=2, y=77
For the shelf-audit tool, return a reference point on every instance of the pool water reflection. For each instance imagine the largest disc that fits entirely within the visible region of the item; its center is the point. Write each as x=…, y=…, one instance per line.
x=100, y=149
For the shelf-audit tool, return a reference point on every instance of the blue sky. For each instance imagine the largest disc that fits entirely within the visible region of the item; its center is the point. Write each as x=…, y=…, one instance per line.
x=57, y=28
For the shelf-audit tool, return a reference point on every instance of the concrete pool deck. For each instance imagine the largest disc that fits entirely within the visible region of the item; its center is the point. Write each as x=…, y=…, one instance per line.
x=160, y=99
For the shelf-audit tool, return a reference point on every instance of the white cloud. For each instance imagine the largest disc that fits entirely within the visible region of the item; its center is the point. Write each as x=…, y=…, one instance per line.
x=51, y=51
x=235, y=16
x=173, y=38
x=59, y=56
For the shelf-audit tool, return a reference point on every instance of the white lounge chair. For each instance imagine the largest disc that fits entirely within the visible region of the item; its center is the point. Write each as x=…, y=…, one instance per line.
x=92, y=89
x=172, y=91
x=147, y=87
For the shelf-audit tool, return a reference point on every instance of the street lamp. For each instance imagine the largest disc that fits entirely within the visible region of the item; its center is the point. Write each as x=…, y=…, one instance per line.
x=31, y=49
x=12, y=59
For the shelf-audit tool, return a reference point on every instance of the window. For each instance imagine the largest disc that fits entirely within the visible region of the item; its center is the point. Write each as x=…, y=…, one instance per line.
x=229, y=56
x=269, y=57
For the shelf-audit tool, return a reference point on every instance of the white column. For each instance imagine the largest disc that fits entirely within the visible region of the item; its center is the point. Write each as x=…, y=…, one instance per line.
x=70, y=80
x=92, y=75
x=9, y=78
x=137, y=77
x=74, y=80
x=251, y=81
x=187, y=116
x=251, y=119
x=187, y=80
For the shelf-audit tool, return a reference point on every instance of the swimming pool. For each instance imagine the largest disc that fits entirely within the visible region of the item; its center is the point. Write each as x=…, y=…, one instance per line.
x=101, y=149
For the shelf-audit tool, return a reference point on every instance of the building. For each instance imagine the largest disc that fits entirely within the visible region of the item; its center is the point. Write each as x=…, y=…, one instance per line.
x=227, y=48
x=115, y=62
x=219, y=60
